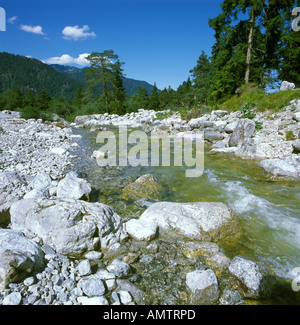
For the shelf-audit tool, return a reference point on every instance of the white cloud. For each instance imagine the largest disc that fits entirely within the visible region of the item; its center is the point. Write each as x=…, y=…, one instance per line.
x=66, y=59
x=76, y=33
x=32, y=29
x=11, y=20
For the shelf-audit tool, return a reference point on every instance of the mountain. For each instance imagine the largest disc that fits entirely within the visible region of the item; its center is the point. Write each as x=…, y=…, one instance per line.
x=32, y=75
x=130, y=85
x=29, y=74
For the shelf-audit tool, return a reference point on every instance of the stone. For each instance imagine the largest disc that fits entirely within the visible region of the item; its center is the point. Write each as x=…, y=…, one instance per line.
x=125, y=297
x=202, y=287
x=93, y=255
x=92, y=301
x=92, y=286
x=244, y=129
x=118, y=268
x=71, y=227
x=194, y=249
x=19, y=256
x=296, y=146
x=13, y=298
x=208, y=221
x=146, y=186
x=212, y=136
x=285, y=85
x=41, y=181
x=73, y=187
x=58, y=151
x=229, y=128
x=10, y=182
x=296, y=117
x=219, y=113
x=256, y=279
x=231, y=297
x=279, y=168
x=84, y=268
x=141, y=230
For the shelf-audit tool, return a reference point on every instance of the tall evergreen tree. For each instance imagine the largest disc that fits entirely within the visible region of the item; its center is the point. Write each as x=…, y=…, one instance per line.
x=105, y=69
x=202, y=75
x=249, y=35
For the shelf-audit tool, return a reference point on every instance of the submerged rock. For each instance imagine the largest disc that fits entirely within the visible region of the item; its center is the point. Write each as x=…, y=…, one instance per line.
x=208, y=221
x=145, y=186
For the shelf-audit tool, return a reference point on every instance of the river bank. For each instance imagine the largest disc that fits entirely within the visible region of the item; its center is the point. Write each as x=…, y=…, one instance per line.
x=86, y=253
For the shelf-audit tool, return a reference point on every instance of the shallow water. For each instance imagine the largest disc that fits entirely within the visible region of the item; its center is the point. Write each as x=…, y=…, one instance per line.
x=268, y=211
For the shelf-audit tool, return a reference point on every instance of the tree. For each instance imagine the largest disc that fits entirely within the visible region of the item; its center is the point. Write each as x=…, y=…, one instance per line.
x=249, y=35
x=202, y=75
x=185, y=94
x=79, y=95
x=43, y=100
x=154, y=99
x=105, y=72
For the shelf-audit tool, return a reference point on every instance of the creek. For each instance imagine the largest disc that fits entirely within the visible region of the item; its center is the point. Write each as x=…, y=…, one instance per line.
x=268, y=211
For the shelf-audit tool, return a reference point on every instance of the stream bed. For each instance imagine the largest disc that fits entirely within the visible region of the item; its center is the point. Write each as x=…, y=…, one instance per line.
x=268, y=211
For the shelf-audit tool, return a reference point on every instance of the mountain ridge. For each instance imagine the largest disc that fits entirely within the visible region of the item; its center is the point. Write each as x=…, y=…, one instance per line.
x=29, y=74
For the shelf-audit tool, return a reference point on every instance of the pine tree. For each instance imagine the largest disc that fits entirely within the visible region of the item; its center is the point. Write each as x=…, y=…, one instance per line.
x=104, y=69
x=202, y=75
x=250, y=37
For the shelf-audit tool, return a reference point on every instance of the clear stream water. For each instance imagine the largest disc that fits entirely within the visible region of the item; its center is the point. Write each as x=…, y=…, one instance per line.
x=268, y=211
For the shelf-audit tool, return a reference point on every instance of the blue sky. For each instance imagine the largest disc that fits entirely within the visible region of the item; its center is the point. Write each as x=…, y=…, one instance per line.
x=159, y=40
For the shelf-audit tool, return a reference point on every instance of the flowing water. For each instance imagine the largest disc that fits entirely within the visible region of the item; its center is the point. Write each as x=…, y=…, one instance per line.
x=268, y=211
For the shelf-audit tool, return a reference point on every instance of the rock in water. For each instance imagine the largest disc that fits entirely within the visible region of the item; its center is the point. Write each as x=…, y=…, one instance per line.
x=280, y=168
x=203, y=220
x=257, y=278
x=145, y=186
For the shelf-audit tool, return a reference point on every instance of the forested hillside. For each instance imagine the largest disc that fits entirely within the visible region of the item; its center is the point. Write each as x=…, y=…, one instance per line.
x=32, y=75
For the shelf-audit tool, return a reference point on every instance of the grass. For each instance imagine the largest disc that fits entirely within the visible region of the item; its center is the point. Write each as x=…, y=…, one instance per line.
x=251, y=94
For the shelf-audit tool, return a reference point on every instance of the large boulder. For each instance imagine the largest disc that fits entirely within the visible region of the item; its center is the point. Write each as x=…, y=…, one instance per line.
x=255, y=278
x=19, y=256
x=71, y=227
x=73, y=187
x=208, y=221
x=244, y=129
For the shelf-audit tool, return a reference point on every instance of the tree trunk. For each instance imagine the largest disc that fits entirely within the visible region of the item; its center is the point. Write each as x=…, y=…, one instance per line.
x=250, y=46
x=106, y=96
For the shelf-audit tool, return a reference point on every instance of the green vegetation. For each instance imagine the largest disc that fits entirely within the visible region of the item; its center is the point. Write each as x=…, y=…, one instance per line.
x=290, y=136
x=254, y=50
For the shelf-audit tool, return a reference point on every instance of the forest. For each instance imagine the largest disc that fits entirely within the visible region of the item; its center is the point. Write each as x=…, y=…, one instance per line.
x=255, y=49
